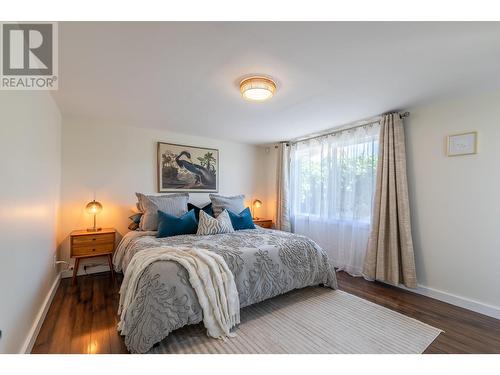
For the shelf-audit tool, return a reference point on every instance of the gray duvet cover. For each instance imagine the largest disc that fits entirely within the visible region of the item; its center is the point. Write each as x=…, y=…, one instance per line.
x=265, y=263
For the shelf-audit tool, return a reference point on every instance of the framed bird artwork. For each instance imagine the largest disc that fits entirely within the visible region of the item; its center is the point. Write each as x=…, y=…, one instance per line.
x=184, y=168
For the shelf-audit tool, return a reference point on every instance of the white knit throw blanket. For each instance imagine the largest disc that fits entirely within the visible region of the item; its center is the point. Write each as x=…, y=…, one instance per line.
x=209, y=276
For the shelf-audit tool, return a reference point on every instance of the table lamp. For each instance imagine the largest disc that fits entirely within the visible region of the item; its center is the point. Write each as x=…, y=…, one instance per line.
x=256, y=204
x=93, y=208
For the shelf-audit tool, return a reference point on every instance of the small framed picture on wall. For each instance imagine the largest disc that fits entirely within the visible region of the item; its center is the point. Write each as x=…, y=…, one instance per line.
x=461, y=144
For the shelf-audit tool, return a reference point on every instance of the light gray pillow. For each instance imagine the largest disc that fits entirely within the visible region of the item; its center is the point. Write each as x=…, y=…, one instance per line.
x=220, y=203
x=211, y=225
x=172, y=204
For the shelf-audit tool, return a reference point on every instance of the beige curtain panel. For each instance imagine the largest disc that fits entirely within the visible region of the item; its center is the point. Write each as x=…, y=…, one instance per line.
x=283, y=193
x=389, y=257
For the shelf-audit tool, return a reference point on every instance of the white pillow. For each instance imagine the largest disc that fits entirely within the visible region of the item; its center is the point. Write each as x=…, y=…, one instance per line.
x=211, y=225
x=173, y=204
x=234, y=204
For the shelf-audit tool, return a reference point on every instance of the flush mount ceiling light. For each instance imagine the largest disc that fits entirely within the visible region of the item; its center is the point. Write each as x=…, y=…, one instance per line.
x=257, y=88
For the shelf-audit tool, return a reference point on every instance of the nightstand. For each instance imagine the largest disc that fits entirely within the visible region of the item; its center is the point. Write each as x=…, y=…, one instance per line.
x=84, y=244
x=263, y=223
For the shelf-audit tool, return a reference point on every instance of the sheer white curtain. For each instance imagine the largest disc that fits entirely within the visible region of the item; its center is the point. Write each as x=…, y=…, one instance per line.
x=332, y=182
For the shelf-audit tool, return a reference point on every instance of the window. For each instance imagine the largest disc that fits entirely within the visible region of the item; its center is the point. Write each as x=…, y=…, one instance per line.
x=335, y=177
x=332, y=182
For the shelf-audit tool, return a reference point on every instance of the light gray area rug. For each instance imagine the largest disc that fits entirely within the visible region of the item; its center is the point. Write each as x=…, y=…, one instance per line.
x=310, y=320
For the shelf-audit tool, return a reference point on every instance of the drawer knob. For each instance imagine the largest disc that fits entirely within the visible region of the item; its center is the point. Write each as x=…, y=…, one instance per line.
x=93, y=239
x=93, y=249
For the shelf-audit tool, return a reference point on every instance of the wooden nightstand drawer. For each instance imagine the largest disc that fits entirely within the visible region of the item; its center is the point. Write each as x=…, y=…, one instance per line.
x=92, y=250
x=85, y=244
x=93, y=239
x=264, y=223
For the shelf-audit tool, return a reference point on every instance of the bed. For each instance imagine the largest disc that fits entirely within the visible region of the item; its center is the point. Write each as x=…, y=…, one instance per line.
x=265, y=263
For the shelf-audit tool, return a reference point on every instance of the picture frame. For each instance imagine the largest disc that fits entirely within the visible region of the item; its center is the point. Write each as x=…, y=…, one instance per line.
x=184, y=168
x=460, y=144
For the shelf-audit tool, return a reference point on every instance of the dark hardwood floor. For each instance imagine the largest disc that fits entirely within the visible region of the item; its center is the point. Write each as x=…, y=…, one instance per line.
x=82, y=318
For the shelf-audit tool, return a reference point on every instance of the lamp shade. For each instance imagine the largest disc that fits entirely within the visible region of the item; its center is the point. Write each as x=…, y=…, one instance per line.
x=257, y=88
x=93, y=208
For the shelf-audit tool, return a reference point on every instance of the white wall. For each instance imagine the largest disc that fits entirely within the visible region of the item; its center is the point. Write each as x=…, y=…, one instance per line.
x=115, y=161
x=455, y=200
x=266, y=190
x=30, y=170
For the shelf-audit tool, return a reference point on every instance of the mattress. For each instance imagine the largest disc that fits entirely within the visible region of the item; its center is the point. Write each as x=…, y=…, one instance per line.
x=265, y=263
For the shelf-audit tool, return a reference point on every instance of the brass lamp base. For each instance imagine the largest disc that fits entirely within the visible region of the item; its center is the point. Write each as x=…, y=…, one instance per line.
x=94, y=228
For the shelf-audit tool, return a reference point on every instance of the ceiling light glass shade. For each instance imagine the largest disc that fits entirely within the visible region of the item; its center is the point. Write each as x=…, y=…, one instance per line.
x=257, y=88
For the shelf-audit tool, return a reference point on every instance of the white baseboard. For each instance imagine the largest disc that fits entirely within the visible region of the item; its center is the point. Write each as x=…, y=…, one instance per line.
x=42, y=313
x=453, y=299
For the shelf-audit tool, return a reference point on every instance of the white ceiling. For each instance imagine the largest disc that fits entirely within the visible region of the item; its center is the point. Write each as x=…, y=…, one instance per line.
x=184, y=76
